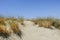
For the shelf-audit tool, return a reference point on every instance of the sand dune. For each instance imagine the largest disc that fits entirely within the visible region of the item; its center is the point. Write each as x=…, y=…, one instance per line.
x=30, y=31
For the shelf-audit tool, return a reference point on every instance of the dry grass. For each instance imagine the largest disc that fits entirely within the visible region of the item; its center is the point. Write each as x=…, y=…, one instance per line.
x=3, y=31
x=20, y=20
x=3, y=28
x=47, y=22
x=14, y=26
x=2, y=21
x=42, y=22
x=56, y=24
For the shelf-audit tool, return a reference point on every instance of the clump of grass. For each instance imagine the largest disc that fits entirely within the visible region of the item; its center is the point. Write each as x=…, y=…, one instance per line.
x=21, y=20
x=2, y=21
x=11, y=18
x=15, y=28
x=3, y=31
x=47, y=22
x=56, y=23
x=44, y=22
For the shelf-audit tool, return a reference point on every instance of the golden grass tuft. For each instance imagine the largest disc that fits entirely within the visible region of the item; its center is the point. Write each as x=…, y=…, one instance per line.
x=3, y=31
x=14, y=26
x=56, y=24
x=2, y=21
x=20, y=20
x=43, y=22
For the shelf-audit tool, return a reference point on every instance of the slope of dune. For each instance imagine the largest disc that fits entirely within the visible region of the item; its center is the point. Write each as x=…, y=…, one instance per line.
x=30, y=31
x=33, y=32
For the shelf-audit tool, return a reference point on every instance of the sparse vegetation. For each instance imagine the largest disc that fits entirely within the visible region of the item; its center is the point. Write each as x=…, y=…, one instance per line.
x=47, y=22
x=42, y=22
x=2, y=21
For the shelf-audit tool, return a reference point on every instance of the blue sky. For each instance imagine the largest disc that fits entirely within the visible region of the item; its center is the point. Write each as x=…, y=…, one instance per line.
x=30, y=8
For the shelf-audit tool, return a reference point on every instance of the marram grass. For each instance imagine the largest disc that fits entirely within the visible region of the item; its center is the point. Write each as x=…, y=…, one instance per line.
x=46, y=22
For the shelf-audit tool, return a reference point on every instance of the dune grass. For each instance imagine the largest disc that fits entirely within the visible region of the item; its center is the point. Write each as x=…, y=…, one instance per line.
x=47, y=22
x=2, y=21
x=42, y=22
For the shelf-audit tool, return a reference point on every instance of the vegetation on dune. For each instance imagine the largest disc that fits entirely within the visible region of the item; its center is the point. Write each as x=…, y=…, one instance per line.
x=3, y=31
x=2, y=21
x=11, y=18
x=15, y=28
x=47, y=22
x=42, y=22
x=56, y=24
x=20, y=20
